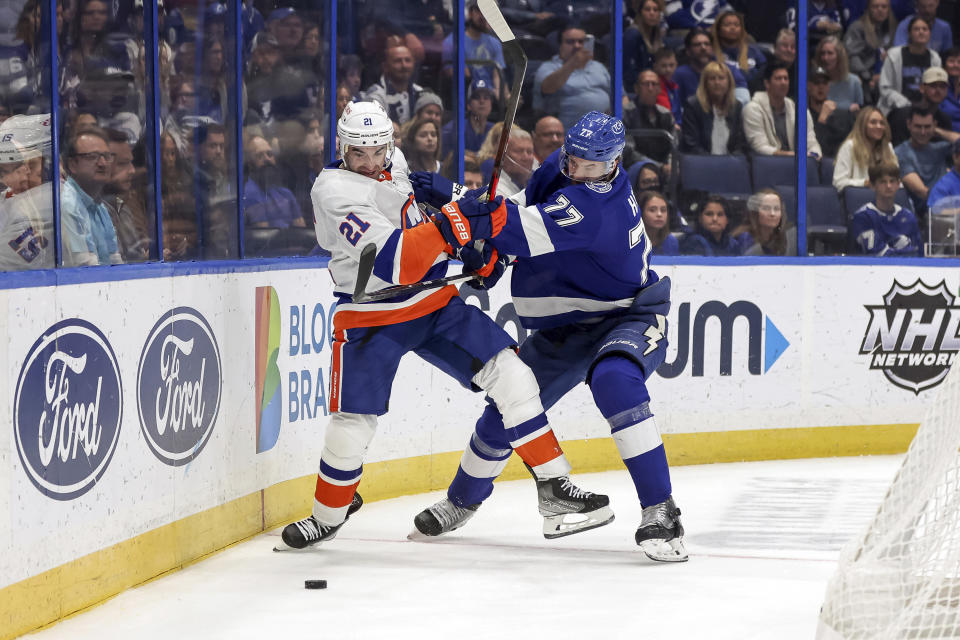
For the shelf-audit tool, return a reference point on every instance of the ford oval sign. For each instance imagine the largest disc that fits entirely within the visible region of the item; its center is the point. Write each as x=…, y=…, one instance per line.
x=67, y=409
x=178, y=386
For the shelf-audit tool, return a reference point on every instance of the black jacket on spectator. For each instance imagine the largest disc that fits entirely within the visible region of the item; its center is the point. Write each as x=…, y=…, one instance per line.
x=834, y=131
x=900, y=132
x=657, y=118
x=698, y=125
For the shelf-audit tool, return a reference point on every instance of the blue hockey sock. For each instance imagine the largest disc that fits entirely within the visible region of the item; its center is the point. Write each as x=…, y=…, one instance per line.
x=483, y=460
x=621, y=395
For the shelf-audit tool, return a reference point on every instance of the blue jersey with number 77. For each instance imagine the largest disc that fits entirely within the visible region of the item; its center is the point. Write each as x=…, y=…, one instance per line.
x=581, y=248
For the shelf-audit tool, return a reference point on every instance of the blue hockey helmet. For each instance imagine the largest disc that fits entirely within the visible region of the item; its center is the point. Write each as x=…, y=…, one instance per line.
x=596, y=137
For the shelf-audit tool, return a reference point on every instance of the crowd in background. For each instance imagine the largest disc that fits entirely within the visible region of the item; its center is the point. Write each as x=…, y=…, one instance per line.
x=883, y=91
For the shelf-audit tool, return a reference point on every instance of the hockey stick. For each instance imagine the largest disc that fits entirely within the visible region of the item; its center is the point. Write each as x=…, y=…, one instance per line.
x=368, y=256
x=516, y=59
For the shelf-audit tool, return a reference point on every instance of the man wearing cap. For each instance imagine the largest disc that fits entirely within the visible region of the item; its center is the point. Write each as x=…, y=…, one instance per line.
x=395, y=91
x=479, y=106
x=572, y=82
x=949, y=184
x=831, y=125
x=287, y=27
x=933, y=91
x=479, y=46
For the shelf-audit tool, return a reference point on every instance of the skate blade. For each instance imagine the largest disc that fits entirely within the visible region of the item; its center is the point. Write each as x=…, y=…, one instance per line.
x=665, y=550
x=417, y=536
x=568, y=524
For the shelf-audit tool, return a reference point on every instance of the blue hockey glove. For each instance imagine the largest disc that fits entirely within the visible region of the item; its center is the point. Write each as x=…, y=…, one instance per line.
x=431, y=188
x=463, y=221
x=488, y=265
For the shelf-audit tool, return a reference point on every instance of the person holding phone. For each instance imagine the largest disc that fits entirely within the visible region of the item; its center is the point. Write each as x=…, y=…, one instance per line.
x=572, y=82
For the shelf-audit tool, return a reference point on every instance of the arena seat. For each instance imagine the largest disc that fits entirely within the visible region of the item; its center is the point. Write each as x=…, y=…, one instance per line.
x=856, y=197
x=716, y=175
x=826, y=221
x=769, y=171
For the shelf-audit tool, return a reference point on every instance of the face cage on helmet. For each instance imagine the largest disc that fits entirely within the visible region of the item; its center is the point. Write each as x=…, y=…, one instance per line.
x=608, y=167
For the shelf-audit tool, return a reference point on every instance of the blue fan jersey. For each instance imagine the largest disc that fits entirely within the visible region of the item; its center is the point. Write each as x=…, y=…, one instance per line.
x=581, y=248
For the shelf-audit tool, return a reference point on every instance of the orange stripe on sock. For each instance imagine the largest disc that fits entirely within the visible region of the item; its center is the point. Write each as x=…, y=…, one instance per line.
x=336, y=370
x=540, y=450
x=334, y=496
x=420, y=247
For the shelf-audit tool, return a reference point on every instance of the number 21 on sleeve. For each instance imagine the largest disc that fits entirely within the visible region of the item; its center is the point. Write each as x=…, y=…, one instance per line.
x=353, y=233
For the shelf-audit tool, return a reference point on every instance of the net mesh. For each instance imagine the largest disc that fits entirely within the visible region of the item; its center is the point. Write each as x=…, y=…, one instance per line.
x=901, y=578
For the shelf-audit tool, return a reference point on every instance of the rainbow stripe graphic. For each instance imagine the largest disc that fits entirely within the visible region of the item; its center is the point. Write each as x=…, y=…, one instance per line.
x=269, y=401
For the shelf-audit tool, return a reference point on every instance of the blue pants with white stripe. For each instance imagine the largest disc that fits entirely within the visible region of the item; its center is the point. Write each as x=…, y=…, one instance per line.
x=615, y=356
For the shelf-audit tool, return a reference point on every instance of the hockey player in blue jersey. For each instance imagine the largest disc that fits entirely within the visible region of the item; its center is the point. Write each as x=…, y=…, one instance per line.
x=582, y=281
x=365, y=199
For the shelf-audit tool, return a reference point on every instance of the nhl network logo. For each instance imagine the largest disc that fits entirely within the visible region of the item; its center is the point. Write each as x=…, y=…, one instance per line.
x=178, y=386
x=67, y=409
x=913, y=337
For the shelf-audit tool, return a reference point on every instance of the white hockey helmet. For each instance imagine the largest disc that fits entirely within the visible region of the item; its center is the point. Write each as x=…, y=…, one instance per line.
x=364, y=124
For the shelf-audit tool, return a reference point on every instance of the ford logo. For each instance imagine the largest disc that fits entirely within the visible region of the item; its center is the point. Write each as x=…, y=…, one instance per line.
x=67, y=409
x=178, y=386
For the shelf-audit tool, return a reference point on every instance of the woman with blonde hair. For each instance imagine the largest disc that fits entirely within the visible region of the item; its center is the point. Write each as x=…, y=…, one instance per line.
x=731, y=38
x=867, y=41
x=712, y=118
x=643, y=38
x=764, y=233
x=845, y=88
x=421, y=144
x=868, y=144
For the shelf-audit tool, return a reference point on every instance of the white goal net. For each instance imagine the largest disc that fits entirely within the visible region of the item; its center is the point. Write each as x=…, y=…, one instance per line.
x=901, y=578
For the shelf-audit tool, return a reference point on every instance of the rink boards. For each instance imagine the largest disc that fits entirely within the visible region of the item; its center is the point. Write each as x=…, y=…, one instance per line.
x=153, y=421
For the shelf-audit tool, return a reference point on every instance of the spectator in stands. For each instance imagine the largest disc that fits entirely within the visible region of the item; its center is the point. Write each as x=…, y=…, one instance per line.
x=656, y=216
x=646, y=115
x=711, y=236
x=731, y=39
x=933, y=92
x=784, y=51
x=692, y=14
x=713, y=120
x=665, y=65
x=126, y=205
x=429, y=106
x=823, y=19
x=531, y=16
x=343, y=98
x=831, y=125
x=89, y=237
x=941, y=37
x=882, y=227
x=179, y=206
x=845, y=88
x=649, y=178
x=949, y=185
x=110, y=95
x=350, y=74
x=518, y=160
x=472, y=175
x=266, y=202
x=642, y=39
x=700, y=53
x=478, y=44
x=764, y=232
x=212, y=94
x=572, y=82
x=951, y=104
x=89, y=47
x=922, y=162
x=211, y=170
x=286, y=25
x=867, y=145
x=769, y=119
x=547, y=137
x=476, y=124
x=867, y=41
x=395, y=90
x=902, y=71
x=421, y=145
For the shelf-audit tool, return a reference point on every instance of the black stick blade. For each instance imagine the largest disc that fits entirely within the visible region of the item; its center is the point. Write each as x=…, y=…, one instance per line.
x=367, y=257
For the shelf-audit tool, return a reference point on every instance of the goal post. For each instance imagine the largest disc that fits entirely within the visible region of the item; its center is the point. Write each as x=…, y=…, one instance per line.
x=901, y=577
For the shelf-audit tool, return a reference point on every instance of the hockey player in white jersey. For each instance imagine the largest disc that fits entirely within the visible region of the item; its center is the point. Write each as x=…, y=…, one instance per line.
x=582, y=281
x=365, y=199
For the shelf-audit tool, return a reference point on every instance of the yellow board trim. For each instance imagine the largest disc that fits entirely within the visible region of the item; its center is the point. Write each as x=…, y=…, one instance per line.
x=71, y=588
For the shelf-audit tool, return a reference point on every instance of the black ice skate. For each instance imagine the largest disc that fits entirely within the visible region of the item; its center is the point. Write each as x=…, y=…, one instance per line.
x=304, y=533
x=568, y=509
x=660, y=534
x=443, y=517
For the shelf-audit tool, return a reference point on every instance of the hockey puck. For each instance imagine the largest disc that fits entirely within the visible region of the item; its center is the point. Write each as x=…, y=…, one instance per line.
x=314, y=584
